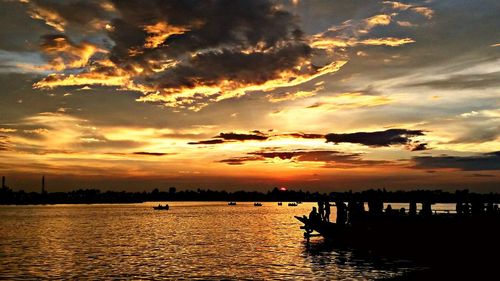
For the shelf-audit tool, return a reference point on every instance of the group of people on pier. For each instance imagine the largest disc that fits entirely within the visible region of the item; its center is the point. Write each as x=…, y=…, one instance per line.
x=355, y=210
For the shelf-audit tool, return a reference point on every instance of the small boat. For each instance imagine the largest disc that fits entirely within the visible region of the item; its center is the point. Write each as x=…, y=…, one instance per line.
x=231, y=203
x=280, y=203
x=256, y=204
x=292, y=204
x=160, y=207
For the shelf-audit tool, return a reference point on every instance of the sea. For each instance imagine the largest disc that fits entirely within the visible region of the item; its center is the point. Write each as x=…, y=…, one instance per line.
x=191, y=241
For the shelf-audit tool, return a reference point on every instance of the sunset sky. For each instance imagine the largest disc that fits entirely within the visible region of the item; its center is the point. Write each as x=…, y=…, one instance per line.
x=317, y=95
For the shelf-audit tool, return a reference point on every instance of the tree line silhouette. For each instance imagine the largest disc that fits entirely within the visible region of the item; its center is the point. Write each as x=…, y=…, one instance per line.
x=93, y=196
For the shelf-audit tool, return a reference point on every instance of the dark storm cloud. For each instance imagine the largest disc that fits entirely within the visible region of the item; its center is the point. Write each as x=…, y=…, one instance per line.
x=330, y=159
x=59, y=14
x=218, y=49
x=218, y=32
x=212, y=68
x=469, y=81
x=486, y=161
x=379, y=138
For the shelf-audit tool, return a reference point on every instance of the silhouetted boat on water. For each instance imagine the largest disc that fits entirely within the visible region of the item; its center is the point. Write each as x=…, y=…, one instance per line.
x=256, y=204
x=160, y=207
x=231, y=203
x=292, y=204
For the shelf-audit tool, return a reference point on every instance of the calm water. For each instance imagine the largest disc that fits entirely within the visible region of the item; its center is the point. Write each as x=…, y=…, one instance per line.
x=193, y=240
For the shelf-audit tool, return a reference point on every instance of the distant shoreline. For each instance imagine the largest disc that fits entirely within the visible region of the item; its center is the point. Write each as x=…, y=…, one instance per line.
x=95, y=196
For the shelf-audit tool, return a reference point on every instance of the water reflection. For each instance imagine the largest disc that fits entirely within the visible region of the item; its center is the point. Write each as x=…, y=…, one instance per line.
x=193, y=240
x=339, y=263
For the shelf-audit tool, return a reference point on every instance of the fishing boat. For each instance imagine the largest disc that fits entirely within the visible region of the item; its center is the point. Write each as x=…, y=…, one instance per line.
x=292, y=204
x=160, y=207
x=256, y=204
x=280, y=203
x=231, y=203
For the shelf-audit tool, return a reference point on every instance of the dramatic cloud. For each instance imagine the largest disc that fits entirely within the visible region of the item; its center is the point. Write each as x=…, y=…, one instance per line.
x=89, y=14
x=242, y=137
x=330, y=159
x=422, y=10
x=379, y=138
x=374, y=139
x=229, y=137
x=189, y=54
x=214, y=141
x=486, y=161
x=62, y=53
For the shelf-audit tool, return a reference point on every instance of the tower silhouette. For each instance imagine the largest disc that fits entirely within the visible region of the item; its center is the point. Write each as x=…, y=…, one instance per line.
x=43, y=184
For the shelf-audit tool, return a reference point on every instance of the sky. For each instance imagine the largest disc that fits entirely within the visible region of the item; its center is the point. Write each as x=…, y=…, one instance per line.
x=314, y=95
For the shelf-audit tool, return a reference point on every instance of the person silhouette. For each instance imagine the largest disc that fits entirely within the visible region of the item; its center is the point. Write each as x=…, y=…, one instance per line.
x=321, y=210
x=413, y=208
x=327, y=211
x=388, y=209
x=314, y=216
x=426, y=209
x=341, y=212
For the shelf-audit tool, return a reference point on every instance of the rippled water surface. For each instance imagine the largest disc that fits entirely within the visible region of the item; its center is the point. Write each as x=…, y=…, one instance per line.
x=193, y=240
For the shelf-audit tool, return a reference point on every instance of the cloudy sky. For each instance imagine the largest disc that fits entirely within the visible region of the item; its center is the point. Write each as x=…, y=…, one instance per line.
x=318, y=95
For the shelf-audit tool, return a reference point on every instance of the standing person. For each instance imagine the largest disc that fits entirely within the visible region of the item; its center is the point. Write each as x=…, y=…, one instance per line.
x=413, y=208
x=341, y=213
x=327, y=211
x=321, y=210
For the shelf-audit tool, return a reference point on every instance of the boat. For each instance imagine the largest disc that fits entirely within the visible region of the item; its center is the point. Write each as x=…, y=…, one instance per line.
x=256, y=204
x=292, y=204
x=160, y=207
x=280, y=203
x=231, y=203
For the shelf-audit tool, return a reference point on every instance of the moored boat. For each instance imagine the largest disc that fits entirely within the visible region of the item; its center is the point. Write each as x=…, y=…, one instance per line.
x=160, y=207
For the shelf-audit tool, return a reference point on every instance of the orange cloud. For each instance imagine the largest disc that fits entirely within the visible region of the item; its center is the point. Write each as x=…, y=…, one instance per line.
x=376, y=20
x=50, y=18
x=387, y=41
x=424, y=11
x=63, y=54
x=159, y=32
